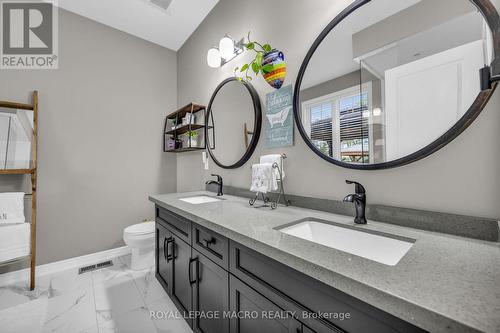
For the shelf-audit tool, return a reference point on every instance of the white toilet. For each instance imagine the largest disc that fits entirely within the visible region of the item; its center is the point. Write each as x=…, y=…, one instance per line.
x=141, y=240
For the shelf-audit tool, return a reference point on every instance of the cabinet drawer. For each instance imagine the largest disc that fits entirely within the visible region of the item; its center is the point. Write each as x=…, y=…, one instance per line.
x=244, y=299
x=212, y=245
x=284, y=285
x=180, y=226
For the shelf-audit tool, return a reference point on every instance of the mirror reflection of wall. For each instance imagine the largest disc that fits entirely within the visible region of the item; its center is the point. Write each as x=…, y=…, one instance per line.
x=16, y=133
x=233, y=119
x=393, y=77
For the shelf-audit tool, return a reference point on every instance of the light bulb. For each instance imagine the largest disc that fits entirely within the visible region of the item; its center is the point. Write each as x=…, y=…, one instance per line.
x=213, y=58
x=226, y=47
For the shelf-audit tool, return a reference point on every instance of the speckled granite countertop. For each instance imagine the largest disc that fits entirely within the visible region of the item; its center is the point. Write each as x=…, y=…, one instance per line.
x=443, y=284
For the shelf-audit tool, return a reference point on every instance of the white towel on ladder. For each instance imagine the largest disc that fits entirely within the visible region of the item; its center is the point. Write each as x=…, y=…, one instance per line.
x=14, y=241
x=12, y=208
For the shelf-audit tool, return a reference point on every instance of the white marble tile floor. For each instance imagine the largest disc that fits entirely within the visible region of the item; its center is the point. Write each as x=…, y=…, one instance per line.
x=110, y=300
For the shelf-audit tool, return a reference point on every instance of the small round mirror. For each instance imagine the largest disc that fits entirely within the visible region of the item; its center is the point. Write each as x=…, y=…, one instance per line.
x=234, y=117
x=389, y=82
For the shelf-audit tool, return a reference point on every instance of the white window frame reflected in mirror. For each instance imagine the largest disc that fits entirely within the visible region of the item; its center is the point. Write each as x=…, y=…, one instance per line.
x=334, y=100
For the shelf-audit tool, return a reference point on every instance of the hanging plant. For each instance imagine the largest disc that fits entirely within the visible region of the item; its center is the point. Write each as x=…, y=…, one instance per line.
x=267, y=61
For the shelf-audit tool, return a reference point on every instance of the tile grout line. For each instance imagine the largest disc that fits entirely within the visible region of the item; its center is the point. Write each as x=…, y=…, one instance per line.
x=143, y=297
x=146, y=306
x=95, y=305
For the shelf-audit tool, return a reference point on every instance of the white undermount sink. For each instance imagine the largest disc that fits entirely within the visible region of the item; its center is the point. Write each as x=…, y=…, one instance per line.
x=385, y=249
x=200, y=199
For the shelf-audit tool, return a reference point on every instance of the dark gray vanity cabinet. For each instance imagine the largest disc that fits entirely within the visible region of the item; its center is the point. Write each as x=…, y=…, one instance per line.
x=306, y=329
x=181, y=291
x=294, y=291
x=173, y=260
x=210, y=294
x=205, y=273
x=250, y=306
x=193, y=280
x=164, y=240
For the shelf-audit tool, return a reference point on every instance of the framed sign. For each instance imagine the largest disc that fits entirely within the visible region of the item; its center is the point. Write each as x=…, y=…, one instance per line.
x=279, y=118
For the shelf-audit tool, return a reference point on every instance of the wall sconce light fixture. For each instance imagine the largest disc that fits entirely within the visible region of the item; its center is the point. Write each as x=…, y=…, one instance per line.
x=227, y=50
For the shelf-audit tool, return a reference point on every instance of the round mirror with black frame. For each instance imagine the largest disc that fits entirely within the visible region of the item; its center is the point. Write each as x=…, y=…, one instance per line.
x=235, y=118
x=386, y=83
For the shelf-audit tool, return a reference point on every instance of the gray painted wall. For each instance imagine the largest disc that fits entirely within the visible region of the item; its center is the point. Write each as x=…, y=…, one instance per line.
x=462, y=178
x=101, y=119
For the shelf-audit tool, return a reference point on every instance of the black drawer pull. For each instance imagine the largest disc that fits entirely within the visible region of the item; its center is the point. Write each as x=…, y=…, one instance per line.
x=190, y=270
x=168, y=256
x=165, y=248
x=207, y=242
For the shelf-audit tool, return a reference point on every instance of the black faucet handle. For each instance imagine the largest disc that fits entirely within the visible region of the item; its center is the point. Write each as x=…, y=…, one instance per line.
x=359, y=188
x=219, y=178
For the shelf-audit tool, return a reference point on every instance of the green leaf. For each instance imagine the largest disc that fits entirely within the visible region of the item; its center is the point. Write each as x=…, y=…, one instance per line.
x=236, y=69
x=255, y=68
x=267, y=68
x=244, y=68
x=258, y=58
x=267, y=48
x=250, y=46
x=249, y=78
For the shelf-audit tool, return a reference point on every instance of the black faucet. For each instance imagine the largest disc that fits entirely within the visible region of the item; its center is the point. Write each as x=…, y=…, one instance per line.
x=359, y=199
x=219, y=184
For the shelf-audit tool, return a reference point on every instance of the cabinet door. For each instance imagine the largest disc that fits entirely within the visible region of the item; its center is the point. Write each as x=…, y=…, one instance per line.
x=246, y=303
x=320, y=329
x=181, y=291
x=210, y=295
x=164, y=256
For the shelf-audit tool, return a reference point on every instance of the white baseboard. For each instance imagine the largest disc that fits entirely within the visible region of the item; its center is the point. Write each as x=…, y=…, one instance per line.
x=58, y=266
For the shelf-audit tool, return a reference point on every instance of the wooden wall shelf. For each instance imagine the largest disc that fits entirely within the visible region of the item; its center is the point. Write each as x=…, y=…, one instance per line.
x=179, y=131
x=182, y=150
x=190, y=108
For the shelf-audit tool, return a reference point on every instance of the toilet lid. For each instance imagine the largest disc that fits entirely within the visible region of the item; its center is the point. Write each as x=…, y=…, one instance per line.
x=141, y=228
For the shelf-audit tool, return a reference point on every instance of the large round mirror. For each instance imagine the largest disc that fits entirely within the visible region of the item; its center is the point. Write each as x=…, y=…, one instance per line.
x=234, y=117
x=389, y=82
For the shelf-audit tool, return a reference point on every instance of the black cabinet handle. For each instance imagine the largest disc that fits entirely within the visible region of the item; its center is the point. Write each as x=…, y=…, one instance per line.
x=190, y=272
x=165, y=248
x=168, y=256
x=207, y=242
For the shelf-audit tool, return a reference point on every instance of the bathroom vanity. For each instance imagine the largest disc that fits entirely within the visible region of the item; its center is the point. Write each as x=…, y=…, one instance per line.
x=220, y=257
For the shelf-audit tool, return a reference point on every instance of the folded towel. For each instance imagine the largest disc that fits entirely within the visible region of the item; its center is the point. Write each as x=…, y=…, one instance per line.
x=278, y=159
x=262, y=176
x=14, y=241
x=12, y=208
